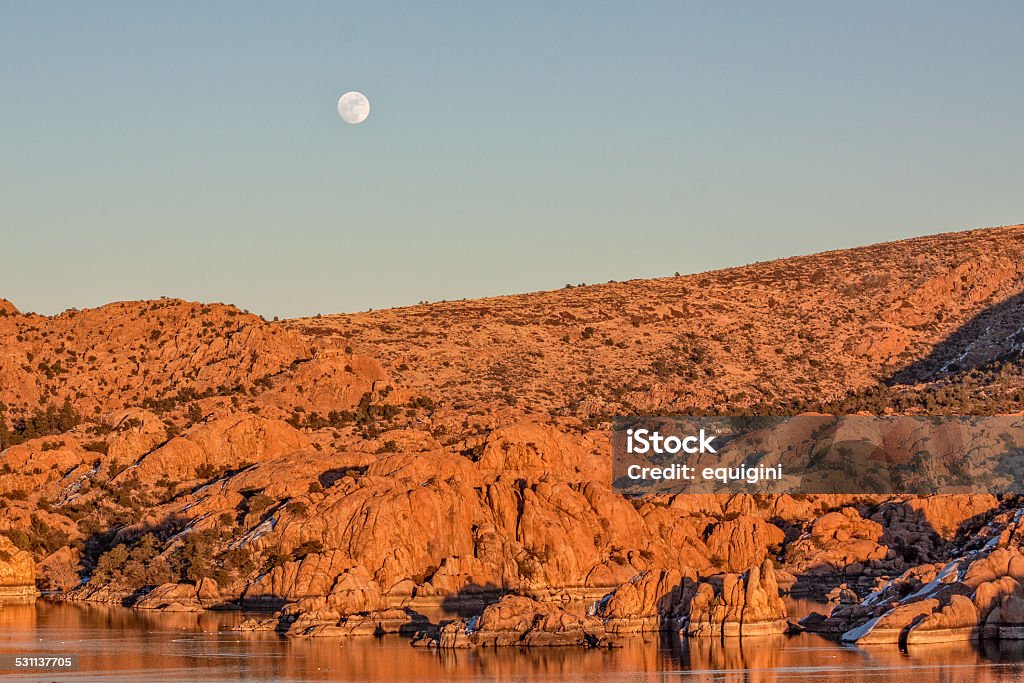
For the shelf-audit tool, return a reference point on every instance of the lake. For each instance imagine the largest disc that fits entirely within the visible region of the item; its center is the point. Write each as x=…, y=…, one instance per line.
x=117, y=644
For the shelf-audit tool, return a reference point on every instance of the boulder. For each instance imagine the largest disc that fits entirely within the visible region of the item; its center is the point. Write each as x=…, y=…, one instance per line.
x=1000, y=562
x=171, y=597
x=530, y=450
x=354, y=592
x=842, y=595
x=893, y=626
x=518, y=621
x=1011, y=618
x=842, y=544
x=654, y=600
x=134, y=432
x=253, y=624
x=975, y=596
x=743, y=542
x=958, y=620
x=745, y=604
x=373, y=623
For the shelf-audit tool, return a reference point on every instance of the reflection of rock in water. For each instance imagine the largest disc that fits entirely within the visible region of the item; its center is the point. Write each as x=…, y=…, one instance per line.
x=22, y=615
x=125, y=645
x=714, y=654
x=957, y=654
x=1003, y=651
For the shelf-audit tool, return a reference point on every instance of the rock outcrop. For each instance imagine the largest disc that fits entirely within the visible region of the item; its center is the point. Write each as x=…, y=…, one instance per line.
x=518, y=621
x=654, y=600
x=229, y=443
x=181, y=597
x=842, y=544
x=17, y=572
x=980, y=595
x=128, y=353
x=343, y=469
x=171, y=597
x=373, y=623
x=733, y=605
x=743, y=542
x=353, y=606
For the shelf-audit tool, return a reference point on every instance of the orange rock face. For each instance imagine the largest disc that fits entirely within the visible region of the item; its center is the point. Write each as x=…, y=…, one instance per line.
x=844, y=542
x=654, y=600
x=743, y=542
x=347, y=467
x=976, y=596
x=171, y=597
x=517, y=620
x=17, y=571
x=738, y=605
x=232, y=442
x=127, y=354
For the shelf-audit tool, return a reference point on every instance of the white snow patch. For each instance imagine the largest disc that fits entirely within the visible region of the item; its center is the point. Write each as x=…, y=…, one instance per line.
x=263, y=529
x=935, y=584
x=858, y=632
x=873, y=597
x=598, y=606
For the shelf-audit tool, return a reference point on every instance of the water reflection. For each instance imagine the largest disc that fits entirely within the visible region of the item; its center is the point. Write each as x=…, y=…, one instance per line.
x=117, y=644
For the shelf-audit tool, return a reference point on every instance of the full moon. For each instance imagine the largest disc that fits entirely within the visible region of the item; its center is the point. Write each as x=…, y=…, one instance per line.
x=353, y=107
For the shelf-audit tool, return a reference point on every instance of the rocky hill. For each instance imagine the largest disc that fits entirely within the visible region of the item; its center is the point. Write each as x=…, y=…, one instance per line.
x=810, y=328
x=349, y=469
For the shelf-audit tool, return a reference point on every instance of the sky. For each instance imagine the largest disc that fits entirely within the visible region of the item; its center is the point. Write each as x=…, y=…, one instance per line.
x=194, y=149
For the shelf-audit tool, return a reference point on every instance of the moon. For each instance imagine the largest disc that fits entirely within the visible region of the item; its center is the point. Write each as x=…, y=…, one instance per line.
x=353, y=107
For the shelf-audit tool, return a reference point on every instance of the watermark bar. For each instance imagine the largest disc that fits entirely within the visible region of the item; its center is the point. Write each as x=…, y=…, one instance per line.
x=38, y=661
x=818, y=454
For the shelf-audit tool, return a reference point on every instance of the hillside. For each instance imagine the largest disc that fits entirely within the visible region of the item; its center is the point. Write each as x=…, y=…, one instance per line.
x=809, y=328
x=352, y=464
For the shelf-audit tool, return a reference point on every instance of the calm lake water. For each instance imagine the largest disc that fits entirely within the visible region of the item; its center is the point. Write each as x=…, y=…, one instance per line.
x=118, y=645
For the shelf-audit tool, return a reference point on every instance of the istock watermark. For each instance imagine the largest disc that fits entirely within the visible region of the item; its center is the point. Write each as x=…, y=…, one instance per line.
x=820, y=454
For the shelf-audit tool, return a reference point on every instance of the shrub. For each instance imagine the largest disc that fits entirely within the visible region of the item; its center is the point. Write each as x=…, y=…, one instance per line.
x=97, y=447
x=206, y=471
x=46, y=422
x=259, y=503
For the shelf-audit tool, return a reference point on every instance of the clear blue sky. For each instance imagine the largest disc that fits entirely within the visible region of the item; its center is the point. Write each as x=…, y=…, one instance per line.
x=194, y=149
